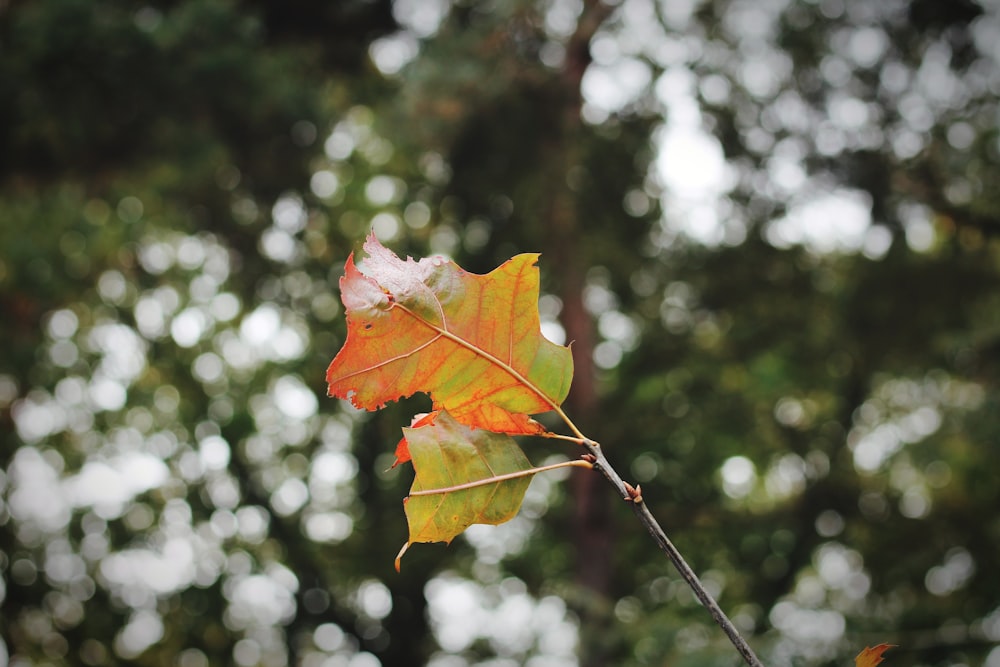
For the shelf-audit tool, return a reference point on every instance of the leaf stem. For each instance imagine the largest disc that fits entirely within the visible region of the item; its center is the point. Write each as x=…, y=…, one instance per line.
x=660, y=537
x=577, y=463
x=581, y=438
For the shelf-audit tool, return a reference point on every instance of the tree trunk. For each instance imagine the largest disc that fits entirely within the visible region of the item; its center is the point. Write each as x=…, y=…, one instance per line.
x=592, y=527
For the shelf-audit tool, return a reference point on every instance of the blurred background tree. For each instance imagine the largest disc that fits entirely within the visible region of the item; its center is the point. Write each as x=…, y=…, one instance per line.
x=770, y=229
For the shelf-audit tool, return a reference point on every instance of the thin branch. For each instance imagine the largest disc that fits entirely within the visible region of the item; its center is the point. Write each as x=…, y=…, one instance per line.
x=577, y=463
x=647, y=519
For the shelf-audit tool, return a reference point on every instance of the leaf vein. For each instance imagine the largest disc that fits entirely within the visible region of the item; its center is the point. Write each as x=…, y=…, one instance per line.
x=476, y=349
x=386, y=362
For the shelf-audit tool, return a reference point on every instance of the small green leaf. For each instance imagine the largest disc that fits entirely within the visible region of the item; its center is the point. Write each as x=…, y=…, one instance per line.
x=447, y=454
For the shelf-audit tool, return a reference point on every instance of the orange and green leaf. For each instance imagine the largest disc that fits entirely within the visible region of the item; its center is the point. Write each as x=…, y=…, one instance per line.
x=447, y=454
x=871, y=656
x=472, y=342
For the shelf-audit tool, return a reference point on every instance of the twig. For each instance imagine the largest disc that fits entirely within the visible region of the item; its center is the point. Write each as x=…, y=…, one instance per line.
x=634, y=496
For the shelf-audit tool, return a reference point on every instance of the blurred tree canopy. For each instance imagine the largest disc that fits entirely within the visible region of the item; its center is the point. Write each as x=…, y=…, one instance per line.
x=769, y=228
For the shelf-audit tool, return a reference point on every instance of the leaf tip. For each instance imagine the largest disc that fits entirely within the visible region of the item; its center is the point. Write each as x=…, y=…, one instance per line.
x=399, y=556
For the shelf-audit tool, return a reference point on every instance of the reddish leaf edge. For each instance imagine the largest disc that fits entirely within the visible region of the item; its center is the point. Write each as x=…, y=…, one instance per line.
x=402, y=447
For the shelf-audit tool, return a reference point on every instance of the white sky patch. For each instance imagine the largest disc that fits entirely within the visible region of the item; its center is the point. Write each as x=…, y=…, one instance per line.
x=35, y=495
x=143, y=629
x=290, y=496
x=188, y=327
x=328, y=526
x=38, y=416
x=374, y=599
x=456, y=612
x=837, y=221
x=553, y=331
x=504, y=615
x=40, y=496
x=691, y=166
x=691, y=163
x=161, y=571
x=738, y=476
x=332, y=468
x=261, y=599
x=394, y=52
x=903, y=411
x=214, y=453
x=289, y=214
x=260, y=326
x=818, y=626
x=953, y=574
x=294, y=399
x=110, y=486
x=123, y=351
x=421, y=17
x=786, y=477
x=269, y=334
x=610, y=88
x=874, y=448
x=561, y=17
x=324, y=184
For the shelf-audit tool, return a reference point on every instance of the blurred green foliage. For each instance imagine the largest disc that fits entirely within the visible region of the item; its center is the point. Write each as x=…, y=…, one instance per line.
x=797, y=358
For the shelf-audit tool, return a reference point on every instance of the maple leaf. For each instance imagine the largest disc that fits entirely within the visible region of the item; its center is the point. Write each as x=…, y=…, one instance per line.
x=491, y=469
x=472, y=342
x=871, y=656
